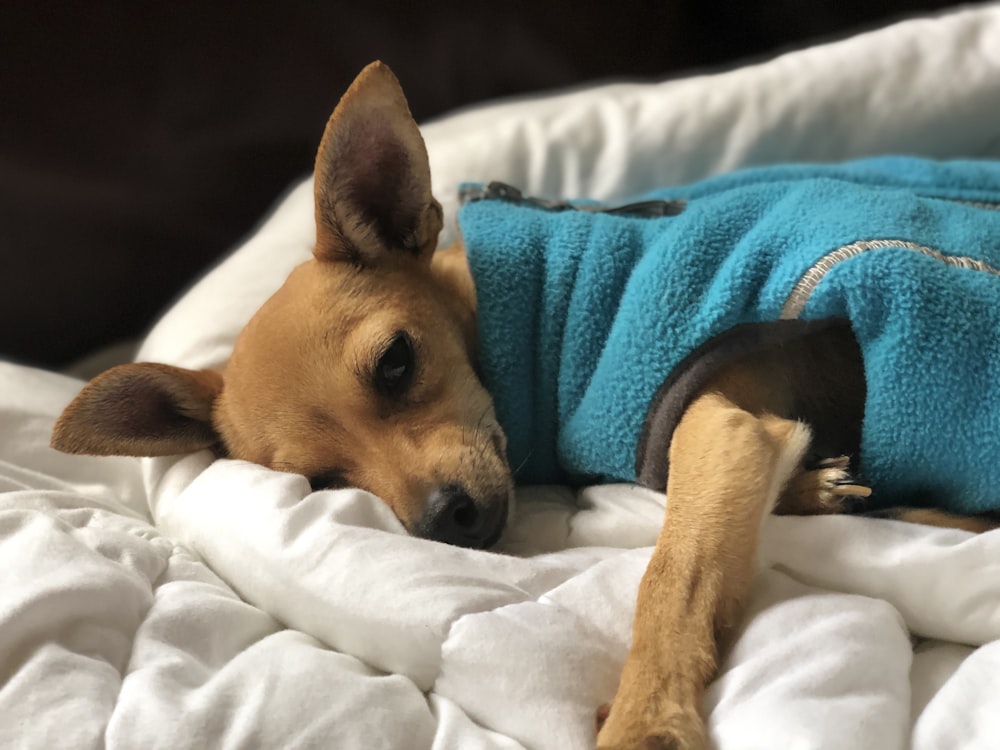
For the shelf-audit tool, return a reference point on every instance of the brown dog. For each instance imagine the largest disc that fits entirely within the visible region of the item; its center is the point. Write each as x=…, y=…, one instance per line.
x=361, y=371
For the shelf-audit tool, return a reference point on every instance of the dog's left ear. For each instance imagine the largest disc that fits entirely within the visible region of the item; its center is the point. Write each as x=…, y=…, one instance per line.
x=373, y=180
x=141, y=409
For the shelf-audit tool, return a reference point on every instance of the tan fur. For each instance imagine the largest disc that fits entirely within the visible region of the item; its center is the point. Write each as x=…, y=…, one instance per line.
x=941, y=519
x=705, y=559
x=298, y=395
x=733, y=460
x=323, y=417
x=121, y=412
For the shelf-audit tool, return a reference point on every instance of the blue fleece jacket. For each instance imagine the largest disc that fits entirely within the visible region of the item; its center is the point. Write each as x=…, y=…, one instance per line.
x=583, y=316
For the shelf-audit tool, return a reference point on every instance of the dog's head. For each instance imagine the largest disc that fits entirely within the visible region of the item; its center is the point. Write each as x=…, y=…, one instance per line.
x=359, y=371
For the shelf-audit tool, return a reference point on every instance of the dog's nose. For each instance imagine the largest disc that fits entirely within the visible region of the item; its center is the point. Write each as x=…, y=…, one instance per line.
x=454, y=517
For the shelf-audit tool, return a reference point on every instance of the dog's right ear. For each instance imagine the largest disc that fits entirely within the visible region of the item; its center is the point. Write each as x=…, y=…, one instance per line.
x=373, y=181
x=142, y=409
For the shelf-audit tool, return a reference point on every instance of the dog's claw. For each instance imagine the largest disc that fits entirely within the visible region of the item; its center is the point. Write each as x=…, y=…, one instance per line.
x=827, y=488
x=601, y=716
x=846, y=487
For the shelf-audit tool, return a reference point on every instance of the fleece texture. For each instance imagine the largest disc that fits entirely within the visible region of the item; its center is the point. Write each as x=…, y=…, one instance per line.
x=584, y=315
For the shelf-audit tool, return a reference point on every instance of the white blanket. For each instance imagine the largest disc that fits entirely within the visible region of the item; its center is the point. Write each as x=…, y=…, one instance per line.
x=186, y=603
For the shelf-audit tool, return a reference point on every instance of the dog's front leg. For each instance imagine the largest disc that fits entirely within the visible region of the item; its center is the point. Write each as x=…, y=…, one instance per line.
x=727, y=468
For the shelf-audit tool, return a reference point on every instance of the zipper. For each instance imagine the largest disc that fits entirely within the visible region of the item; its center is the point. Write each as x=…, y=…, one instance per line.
x=803, y=289
x=651, y=209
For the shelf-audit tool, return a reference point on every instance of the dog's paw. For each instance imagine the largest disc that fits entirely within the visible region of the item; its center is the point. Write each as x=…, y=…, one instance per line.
x=654, y=709
x=827, y=488
x=672, y=728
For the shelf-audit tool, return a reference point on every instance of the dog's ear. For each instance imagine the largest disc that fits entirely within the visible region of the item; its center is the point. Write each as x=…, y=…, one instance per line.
x=373, y=181
x=141, y=409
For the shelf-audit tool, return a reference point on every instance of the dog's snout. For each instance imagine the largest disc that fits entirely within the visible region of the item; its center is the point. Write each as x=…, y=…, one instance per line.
x=454, y=517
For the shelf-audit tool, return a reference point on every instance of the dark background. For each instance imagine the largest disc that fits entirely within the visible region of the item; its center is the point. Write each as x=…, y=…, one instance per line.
x=140, y=140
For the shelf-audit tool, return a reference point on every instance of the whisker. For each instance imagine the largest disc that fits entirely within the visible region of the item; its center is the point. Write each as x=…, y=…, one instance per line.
x=521, y=465
x=482, y=417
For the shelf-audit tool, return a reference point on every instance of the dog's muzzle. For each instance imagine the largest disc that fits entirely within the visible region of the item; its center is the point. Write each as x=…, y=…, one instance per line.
x=454, y=517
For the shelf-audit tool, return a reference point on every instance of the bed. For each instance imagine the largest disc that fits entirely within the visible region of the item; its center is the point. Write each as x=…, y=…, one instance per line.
x=190, y=602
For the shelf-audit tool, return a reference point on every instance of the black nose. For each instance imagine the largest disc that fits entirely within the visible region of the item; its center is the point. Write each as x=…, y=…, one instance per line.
x=453, y=517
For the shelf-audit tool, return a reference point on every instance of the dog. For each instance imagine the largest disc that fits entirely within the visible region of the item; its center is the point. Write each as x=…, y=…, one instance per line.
x=365, y=370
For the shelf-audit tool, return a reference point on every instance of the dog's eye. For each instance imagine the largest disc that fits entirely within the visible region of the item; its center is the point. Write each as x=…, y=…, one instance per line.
x=394, y=369
x=328, y=480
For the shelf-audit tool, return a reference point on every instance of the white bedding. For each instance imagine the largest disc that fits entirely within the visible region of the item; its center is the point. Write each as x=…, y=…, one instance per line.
x=186, y=603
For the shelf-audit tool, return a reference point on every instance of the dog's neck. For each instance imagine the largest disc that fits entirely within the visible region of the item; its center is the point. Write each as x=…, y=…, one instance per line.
x=451, y=268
